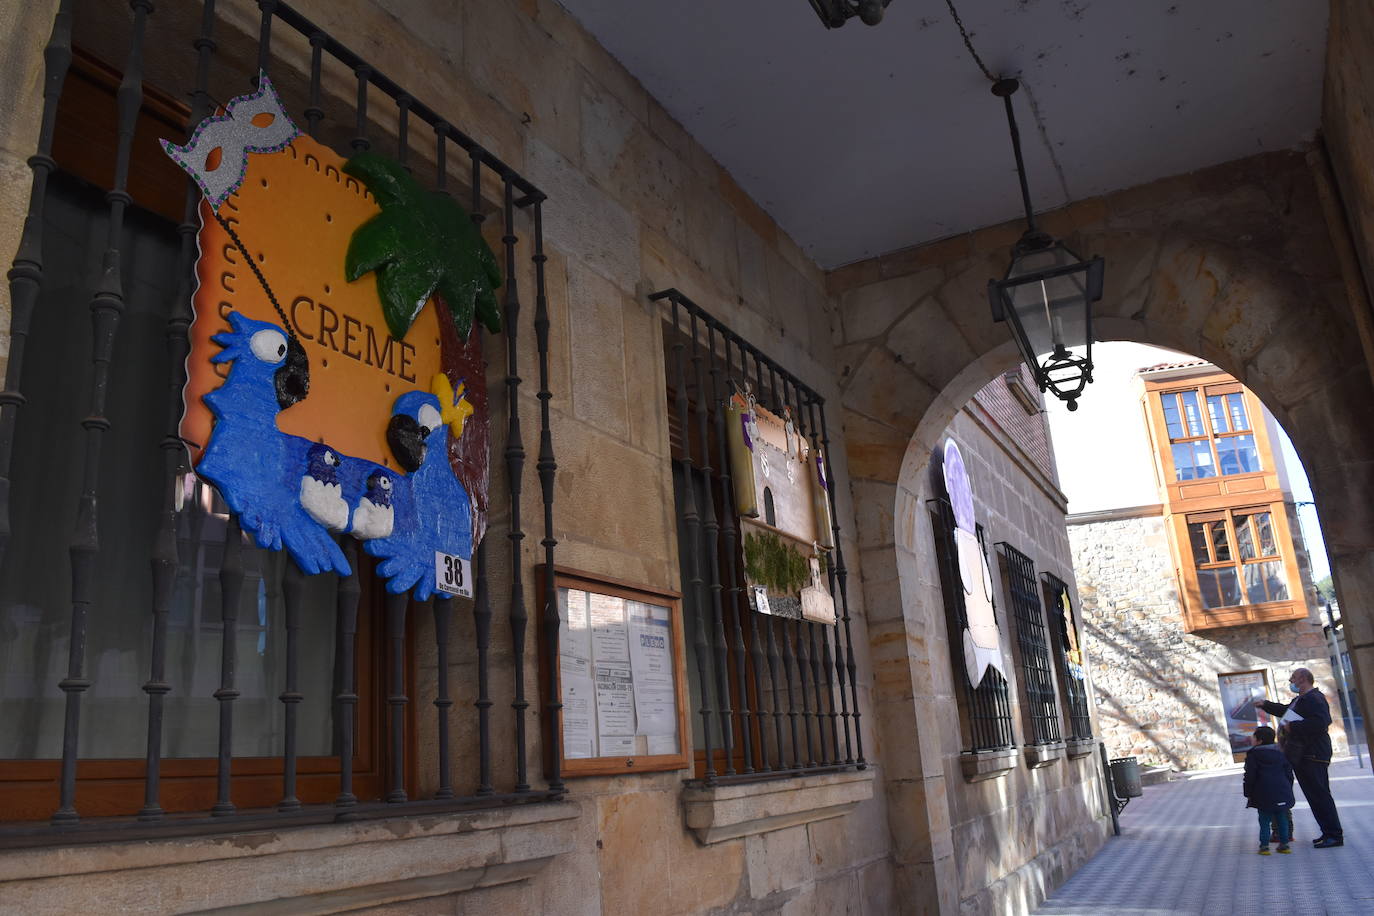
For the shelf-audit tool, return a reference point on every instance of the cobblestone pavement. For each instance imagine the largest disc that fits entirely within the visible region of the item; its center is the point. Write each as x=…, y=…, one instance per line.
x=1189, y=846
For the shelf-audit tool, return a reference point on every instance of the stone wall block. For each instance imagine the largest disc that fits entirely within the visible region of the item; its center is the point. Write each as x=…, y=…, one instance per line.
x=779, y=860
x=598, y=354
x=929, y=343
x=868, y=311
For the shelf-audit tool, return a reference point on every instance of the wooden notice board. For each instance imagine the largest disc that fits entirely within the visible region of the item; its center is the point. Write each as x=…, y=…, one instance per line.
x=621, y=676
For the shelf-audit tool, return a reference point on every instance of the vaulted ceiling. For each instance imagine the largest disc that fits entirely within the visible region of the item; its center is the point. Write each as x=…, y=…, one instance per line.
x=861, y=140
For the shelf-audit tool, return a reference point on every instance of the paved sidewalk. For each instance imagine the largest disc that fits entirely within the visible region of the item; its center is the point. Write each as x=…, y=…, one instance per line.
x=1189, y=846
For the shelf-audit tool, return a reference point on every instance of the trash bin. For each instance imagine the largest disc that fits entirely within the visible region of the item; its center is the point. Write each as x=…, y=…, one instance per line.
x=1126, y=777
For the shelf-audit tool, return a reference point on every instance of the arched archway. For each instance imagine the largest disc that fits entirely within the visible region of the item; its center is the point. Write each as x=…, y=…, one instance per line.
x=1234, y=264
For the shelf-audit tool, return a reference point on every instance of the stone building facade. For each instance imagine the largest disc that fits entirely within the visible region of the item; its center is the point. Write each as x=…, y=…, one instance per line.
x=1157, y=691
x=1239, y=263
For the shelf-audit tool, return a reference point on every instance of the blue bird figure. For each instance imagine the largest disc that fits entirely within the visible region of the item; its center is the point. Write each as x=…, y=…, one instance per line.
x=431, y=510
x=375, y=515
x=268, y=478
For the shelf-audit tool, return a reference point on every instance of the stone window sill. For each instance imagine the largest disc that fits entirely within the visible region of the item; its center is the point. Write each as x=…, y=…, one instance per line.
x=980, y=765
x=304, y=870
x=1081, y=747
x=1042, y=755
x=719, y=813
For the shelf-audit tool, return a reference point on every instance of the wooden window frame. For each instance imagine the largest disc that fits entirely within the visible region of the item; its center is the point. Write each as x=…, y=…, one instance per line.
x=1210, y=435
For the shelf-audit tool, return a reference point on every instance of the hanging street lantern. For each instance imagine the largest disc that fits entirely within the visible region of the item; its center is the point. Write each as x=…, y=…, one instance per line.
x=835, y=13
x=1047, y=294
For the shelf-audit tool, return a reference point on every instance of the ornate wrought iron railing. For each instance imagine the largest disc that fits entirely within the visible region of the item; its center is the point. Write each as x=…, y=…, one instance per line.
x=987, y=707
x=520, y=210
x=778, y=695
x=1075, y=681
x=1037, y=677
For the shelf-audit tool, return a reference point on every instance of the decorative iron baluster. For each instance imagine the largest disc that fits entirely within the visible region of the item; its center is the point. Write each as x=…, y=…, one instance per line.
x=346, y=702
x=800, y=627
x=481, y=603
x=26, y=274
x=268, y=9
x=515, y=464
x=719, y=394
x=396, y=606
x=164, y=557
x=828, y=661
x=692, y=521
x=313, y=112
x=360, y=141
x=774, y=660
x=293, y=595
x=813, y=653
x=547, y=468
x=231, y=596
x=842, y=578
x=107, y=306
x=711, y=530
x=443, y=614
x=788, y=661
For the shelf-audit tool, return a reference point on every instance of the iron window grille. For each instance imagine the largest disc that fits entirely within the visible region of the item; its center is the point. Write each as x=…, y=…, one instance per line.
x=1075, y=682
x=1037, y=675
x=986, y=711
x=285, y=36
x=777, y=695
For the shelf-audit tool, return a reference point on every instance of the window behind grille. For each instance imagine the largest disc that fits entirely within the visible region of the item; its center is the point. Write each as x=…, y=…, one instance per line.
x=1037, y=676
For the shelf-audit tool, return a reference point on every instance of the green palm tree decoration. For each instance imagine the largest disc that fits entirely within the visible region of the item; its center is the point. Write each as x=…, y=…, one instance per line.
x=422, y=243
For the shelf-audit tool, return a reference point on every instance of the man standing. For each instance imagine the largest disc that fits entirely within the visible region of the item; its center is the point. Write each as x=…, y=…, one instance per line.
x=1308, y=749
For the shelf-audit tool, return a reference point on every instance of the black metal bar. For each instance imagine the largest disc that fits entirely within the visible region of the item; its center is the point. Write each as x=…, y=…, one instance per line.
x=1032, y=638
x=842, y=578
x=231, y=595
x=1004, y=88
x=359, y=143
x=788, y=660
x=548, y=469
x=268, y=8
x=805, y=649
x=107, y=306
x=396, y=606
x=441, y=161
x=346, y=702
x=799, y=411
x=719, y=396
x=350, y=59
x=403, y=129
x=827, y=660
x=481, y=603
x=515, y=465
x=293, y=595
x=692, y=521
x=443, y=614
x=313, y=112
x=711, y=532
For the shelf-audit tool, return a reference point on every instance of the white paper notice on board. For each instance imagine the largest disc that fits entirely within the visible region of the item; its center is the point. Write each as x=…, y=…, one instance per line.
x=615, y=703
x=579, y=731
x=661, y=744
x=610, y=636
x=617, y=746
x=651, y=662
x=574, y=634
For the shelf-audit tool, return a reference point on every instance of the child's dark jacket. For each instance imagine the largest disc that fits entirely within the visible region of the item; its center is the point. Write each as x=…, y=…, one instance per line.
x=1268, y=778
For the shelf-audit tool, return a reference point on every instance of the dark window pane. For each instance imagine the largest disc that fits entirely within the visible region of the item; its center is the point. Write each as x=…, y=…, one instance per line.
x=1265, y=582
x=1197, y=536
x=1219, y=587
x=1267, y=545
x=1245, y=538
x=1221, y=545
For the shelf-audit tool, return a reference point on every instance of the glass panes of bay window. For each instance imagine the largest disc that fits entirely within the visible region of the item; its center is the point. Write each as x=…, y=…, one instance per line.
x=1245, y=537
x=1221, y=545
x=1216, y=409
x=1197, y=536
x=1265, y=582
x=1265, y=530
x=1193, y=460
x=1227, y=412
x=1237, y=454
x=1182, y=415
x=1219, y=587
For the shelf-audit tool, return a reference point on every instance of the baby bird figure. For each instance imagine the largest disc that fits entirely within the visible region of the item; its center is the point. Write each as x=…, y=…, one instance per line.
x=432, y=513
x=374, y=516
x=263, y=474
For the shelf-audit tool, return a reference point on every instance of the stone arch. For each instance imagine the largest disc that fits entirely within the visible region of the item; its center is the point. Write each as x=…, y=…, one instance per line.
x=1234, y=264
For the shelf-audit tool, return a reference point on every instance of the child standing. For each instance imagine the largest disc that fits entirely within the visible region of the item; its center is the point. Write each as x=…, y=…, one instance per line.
x=1269, y=788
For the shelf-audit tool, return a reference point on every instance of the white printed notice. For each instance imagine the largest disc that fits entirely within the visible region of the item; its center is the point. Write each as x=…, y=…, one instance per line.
x=610, y=638
x=574, y=634
x=651, y=663
x=615, y=703
x=579, y=732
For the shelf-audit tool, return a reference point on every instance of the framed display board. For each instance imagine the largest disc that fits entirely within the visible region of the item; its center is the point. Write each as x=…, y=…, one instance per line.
x=1239, y=690
x=620, y=674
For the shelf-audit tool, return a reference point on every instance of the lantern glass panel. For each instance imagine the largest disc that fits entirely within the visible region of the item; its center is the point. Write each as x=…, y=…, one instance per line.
x=1052, y=311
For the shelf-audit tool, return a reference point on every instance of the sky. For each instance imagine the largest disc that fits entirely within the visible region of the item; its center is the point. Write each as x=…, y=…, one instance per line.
x=1102, y=450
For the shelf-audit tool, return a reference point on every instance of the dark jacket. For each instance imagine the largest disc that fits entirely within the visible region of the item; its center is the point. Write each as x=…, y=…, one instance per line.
x=1268, y=778
x=1307, y=740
